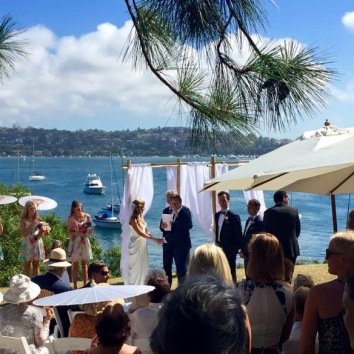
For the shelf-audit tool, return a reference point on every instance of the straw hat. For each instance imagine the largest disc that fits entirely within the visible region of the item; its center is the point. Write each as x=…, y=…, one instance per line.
x=57, y=259
x=22, y=289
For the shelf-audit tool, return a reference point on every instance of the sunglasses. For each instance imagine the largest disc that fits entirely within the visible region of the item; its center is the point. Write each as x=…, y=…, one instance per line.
x=104, y=273
x=331, y=253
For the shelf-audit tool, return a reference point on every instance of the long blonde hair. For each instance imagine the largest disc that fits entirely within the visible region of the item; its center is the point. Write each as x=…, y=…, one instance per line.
x=29, y=204
x=207, y=258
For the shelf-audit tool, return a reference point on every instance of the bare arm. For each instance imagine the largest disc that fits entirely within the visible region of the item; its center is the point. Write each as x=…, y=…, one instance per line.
x=310, y=323
x=133, y=223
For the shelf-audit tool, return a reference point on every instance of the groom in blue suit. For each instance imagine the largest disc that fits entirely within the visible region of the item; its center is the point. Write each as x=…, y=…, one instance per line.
x=178, y=240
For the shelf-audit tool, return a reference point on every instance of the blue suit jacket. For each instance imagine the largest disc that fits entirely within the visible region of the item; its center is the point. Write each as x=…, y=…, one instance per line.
x=255, y=228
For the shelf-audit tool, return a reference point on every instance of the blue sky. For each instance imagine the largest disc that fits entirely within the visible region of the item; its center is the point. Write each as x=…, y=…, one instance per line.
x=74, y=78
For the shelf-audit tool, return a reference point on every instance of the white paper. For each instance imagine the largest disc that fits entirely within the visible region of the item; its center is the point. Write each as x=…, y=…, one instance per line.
x=167, y=218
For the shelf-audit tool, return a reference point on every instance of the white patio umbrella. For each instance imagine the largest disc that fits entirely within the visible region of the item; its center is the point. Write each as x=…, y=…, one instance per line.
x=7, y=199
x=43, y=203
x=319, y=162
x=93, y=294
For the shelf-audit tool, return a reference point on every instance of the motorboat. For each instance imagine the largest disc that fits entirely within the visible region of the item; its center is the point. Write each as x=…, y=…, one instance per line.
x=93, y=184
x=107, y=220
x=116, y=207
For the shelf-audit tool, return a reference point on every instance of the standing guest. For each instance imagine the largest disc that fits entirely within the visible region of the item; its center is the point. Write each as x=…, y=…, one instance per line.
x=178, y=240
x=348, y=304
x=269, y=303
x=144, y=320
x=254, y=225
x=113, y=329
x=52, y=281
x=324, y=307
x=165, y=227
x=138, y=253
x=282, y=220
x=228, y=231
x=18, y=319
x=1, y=231
x=350, y=221
x=79, y=249
x=32, y=248
x=97, y=273
x=203, y=315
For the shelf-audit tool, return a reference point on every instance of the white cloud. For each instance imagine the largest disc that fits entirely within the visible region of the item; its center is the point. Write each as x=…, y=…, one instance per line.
x=348, y=20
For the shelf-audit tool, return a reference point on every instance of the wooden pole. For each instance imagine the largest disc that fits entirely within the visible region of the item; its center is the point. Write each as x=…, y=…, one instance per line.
x=334, y=213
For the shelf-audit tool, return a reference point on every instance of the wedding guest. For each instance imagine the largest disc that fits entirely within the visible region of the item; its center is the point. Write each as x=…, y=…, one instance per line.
x=79, y=248
x=348, y=304
x=203, y=315
x=165, y=227
x=350, y=221
x=65, y=277
x=138, y=253
x=1, y=231
x=97, y=273
x=18, y=319
x=31, y=248
x=228, y=231
x=303, y=280
x=270, y=305
x=324, y=307
x=112, y=327
x=144, y=320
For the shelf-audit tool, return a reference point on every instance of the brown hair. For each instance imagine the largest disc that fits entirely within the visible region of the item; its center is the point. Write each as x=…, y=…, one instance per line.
x=266, y=258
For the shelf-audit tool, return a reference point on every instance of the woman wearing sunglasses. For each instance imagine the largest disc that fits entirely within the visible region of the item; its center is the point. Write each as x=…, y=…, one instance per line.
x=324, y=307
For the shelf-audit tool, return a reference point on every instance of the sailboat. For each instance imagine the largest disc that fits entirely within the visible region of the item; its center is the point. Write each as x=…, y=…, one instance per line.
x=106, y=218
x=34, y=175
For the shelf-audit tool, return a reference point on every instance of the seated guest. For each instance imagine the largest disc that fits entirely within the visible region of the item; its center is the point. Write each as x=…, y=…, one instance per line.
x=52, y=281
x=18, y=319
x=144, y=320
x=292, y=345
x=303, y=280
x=112, y=327
x=348, y=303
x=65, y=278
x=98, y=273
x=269, y=303
x=203, y=315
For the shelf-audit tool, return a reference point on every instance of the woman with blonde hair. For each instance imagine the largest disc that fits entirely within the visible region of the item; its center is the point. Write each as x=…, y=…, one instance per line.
x=32, y=247
x=324, y=307
x=210, y=257
x=138, y=253
x=269, y=304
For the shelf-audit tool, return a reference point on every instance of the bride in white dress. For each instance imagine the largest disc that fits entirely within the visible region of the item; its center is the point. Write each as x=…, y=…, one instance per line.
x=138, y=253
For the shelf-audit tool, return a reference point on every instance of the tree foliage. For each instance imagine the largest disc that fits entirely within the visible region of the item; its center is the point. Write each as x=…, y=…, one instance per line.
x=194, y=48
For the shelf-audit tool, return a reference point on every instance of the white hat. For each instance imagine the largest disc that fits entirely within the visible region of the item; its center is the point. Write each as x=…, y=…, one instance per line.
x=22, y=289
x=57, y=259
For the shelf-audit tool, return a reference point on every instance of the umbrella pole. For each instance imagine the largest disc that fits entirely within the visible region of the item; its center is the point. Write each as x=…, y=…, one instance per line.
x=334, y=213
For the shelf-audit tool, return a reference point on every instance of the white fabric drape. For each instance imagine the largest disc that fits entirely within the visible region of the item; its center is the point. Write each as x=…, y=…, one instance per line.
x=138, y=184
x=255, y=194
x=192, y=177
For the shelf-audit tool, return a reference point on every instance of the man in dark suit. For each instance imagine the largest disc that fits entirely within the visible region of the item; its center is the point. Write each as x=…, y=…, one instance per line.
x=282, y=220
x=166, y=229
x=98, y=273
x=254, y=225
x=52, y=281
x=178, y=241
x=228, y=231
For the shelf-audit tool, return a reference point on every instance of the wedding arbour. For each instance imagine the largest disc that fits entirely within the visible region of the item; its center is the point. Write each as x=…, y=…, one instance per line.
x=224, y=75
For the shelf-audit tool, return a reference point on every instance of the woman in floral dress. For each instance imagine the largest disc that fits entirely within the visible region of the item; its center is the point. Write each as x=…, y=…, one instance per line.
x=1, y=231
x=32, y=248
x=79, y=249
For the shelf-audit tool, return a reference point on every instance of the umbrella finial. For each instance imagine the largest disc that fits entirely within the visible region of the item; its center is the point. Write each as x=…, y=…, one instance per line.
x=327, y=123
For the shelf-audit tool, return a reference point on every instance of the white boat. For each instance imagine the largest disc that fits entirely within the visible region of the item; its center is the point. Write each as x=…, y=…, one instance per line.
x=34, y=175
x=107, y=220
x=93, y=184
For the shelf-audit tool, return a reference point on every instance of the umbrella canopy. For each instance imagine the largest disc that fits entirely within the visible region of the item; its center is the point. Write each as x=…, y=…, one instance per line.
x=319, y=162
x=93, y=294
x=43, y=203
x=7, y=199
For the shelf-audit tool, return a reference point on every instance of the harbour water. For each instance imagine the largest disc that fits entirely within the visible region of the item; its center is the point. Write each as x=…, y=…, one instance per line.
x=65, y=178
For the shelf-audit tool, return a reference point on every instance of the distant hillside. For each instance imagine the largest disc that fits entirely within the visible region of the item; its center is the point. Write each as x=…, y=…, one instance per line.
x=141, y=142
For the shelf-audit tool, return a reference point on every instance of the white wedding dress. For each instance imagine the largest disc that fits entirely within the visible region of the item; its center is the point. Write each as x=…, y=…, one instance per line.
x=138, y=258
